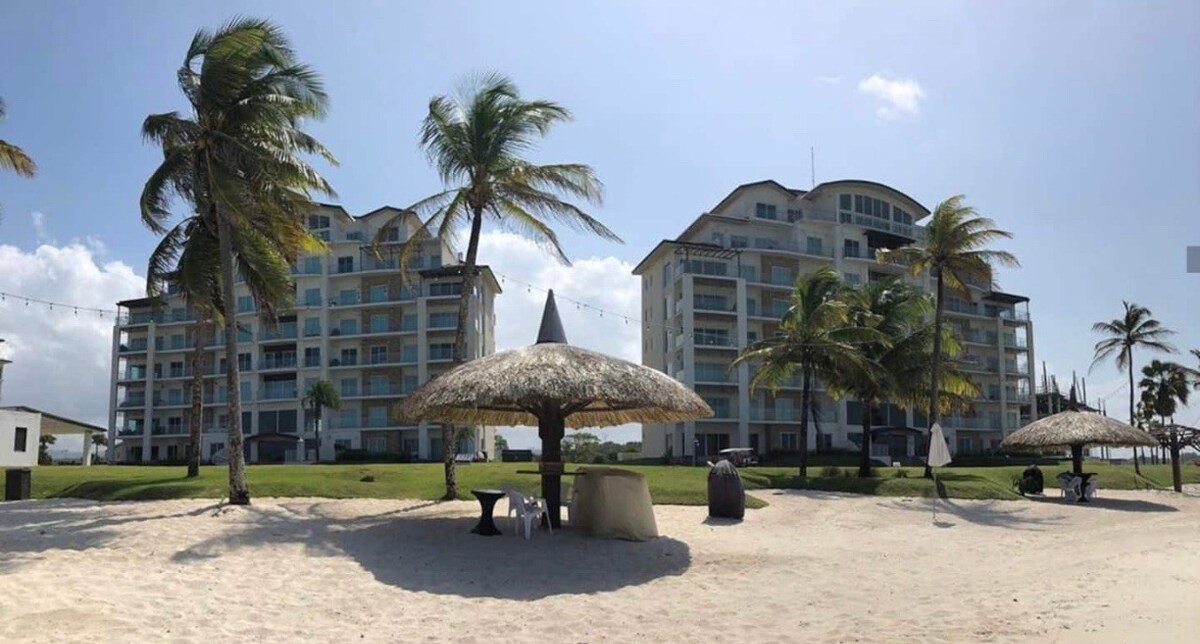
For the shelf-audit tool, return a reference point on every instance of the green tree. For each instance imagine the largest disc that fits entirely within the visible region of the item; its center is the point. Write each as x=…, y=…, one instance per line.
x=321, y=394
x=581, y=447
x=1135, y=329
x=44, y=443
x=956, y=252
x=236, y=161
x=1166, y=386
x=898, y=360
x=14, y=158
x=476, y=141
x=501, y=445
x=815, y=338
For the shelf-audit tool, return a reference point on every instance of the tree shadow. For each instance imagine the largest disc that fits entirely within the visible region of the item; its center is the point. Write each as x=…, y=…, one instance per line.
x=435, y=552
x=990, y=513
x=1102, y=503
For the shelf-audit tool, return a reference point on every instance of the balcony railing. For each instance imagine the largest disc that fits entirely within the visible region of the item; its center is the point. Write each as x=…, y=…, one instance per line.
x=278, y=392
x=712, y=341
x=278, y=361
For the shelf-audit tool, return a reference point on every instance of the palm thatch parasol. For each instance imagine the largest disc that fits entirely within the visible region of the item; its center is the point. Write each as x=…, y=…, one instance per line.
x=1076, y=430
x=553, y=385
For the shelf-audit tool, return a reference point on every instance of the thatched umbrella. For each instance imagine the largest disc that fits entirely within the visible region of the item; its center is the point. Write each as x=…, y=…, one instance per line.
x=553, y=385
x=1076, y=430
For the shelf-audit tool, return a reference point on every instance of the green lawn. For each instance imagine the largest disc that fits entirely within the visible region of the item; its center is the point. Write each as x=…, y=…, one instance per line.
x=668, y=485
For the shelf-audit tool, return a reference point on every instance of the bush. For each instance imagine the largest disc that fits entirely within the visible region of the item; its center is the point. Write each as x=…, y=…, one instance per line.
x=363, y=456
x=829, y=472
x=899, y=473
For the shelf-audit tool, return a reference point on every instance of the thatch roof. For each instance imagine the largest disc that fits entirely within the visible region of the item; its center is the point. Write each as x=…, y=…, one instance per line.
x=1064, y=429
x=593, y=389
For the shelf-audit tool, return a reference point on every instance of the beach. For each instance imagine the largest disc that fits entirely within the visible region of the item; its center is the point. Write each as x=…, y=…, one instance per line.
x=810, y=567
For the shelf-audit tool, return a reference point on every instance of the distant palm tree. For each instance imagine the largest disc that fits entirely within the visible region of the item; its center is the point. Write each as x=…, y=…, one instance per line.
x=476, y=141
x=321, y=394
x=98, y=440
x=1136, y=328
x=1166, y=385
x=956, y=252
x=236, y=161
x=14, y=158
x=815, y=338
x=898, y=361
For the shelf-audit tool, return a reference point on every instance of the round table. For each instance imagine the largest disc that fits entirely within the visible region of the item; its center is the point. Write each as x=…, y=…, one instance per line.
x=487, y=502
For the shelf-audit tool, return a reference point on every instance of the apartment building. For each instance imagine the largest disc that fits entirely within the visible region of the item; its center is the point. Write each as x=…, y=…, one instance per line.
x=725, y=281
x=357, y=322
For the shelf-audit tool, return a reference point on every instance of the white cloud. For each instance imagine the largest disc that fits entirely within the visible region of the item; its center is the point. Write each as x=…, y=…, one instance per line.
x=39, y=226
x=900, y=97
x=829, y=80
x=604, y=282
x=61, y=359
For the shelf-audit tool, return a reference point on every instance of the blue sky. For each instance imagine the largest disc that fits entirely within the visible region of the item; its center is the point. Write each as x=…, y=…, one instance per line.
x=1074, y=125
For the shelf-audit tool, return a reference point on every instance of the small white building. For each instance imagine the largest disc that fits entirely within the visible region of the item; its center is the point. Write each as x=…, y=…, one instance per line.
x=19, y=434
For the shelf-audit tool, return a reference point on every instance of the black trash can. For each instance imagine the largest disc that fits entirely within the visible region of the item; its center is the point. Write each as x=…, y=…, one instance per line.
x=17, y=483
x=726, y=495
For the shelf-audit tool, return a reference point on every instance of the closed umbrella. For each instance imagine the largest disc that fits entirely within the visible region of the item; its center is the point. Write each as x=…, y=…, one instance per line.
x=553, y=385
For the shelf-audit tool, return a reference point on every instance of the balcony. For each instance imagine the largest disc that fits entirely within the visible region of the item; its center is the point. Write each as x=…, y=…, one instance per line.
x=133, y=346
x=278, y=361
x=1015, y=342
x=717, y=304
x=712, y=341
x=441, y=354
x=285, y=331
x=131, y=431
x=132, y=401
x=279, y=391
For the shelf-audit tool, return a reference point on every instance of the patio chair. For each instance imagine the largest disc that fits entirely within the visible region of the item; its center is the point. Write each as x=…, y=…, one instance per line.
x=1089, y=490
x=567, y=500
x=1071, y=488
x=528, y=510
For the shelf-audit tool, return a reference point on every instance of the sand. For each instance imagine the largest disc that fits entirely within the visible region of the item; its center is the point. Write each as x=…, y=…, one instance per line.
x=811, y=567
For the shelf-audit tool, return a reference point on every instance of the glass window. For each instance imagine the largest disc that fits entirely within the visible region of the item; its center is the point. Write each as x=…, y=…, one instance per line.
x=312, y=297
x=349, y=386
x=379, y=354
x=312, y=265
x=379, y=385
x=844, y=202
x=312, y=356
x=348, y=326
x=435, y=261
x=765, y=211
x=781, y=275
x=443, y=320
x=349, y=357
x=345, y=264
x=21, y=439
x=378, y=293
x=738, y=241
x=318, y=221
x=312, y=326
x=441, y=351
x=379, y=323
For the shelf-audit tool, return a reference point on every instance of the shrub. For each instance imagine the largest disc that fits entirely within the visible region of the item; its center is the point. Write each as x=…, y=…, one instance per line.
x=830, y=472
x=899, y=473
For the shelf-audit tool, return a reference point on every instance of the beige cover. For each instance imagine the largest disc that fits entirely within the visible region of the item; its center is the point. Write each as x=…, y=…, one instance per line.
x=614, y=504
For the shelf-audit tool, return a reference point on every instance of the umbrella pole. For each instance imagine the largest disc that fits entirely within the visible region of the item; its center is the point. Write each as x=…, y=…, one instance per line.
x=551, y=428
x=1077, y=459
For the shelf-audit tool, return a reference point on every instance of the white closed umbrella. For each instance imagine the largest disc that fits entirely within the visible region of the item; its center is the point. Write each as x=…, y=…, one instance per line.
x=939, y=456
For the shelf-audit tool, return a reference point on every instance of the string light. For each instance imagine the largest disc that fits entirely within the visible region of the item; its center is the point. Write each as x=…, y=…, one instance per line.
x=76, y=308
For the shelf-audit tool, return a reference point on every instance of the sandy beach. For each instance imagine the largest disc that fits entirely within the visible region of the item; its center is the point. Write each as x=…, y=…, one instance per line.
x=811, y=567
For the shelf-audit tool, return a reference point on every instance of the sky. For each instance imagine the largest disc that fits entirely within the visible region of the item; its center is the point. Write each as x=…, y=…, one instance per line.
x=1072, y=125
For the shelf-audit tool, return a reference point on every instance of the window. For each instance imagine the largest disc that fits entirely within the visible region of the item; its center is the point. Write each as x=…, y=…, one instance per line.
x=345, y=265
x=445, y=288
x=666, y=273
x=814, y=246
x=443, y=320
x=377, y=417
x=408, y=384
x=379, y=323
x=788, y=442
x=851, y=248
x=781, y=275
x=378, y=385
x=245, y=304
x=718, y=239
x=378, y=293
x=376, y=445
x=379, y=354
x=739, y=241
x=21, y=439
x=312, y=356
x=348, y=418
x=435, y=261
x=707, y=372
x=765, y=211
x=312, y=265
x=312, y=326
x=390, y=234
x=705, y=268
x=795, y=214
x=348, y=297
x=349, y=357
x=720, y=407
x=312, y=297
x=854, y=279
x=318, y=221
x=245, y=333
x=213, y=448
x=342, y=444
x=349, y=387
x=348, y=327
x=441, y=351
x=844, y=202
x=712, y=337
x=748, y=273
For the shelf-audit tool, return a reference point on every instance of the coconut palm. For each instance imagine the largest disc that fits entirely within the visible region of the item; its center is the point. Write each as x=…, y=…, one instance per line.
x=1166, y=386
x=236, y=161
x=815, y=338
x=320, y=395
x=98, y=441
x=1136, y=328
x=14, y=158
x=898, y=360
x=956, y=253
x=476, y=141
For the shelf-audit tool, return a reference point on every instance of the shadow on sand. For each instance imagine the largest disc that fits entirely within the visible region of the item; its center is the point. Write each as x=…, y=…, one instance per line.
x=1101, y=503
x=435, y=552
x=945, y=513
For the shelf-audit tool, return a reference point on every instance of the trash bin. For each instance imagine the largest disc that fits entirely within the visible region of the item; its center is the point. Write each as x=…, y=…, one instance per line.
x=726, y=495
x=17, y=484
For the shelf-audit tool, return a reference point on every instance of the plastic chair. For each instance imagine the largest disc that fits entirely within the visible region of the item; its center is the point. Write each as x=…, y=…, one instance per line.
x=567, y=500
x=1071, y=488
x=528, y=511
x=1089, y=490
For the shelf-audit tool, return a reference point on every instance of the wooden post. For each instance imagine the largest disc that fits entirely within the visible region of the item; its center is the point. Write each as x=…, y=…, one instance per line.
x=551, y=429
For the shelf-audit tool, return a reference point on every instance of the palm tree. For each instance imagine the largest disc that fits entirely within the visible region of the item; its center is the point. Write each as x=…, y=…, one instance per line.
x=235, y=160
x=815, y=338
x=956, y=252
x=476, y=140
x=320, y=395
x=898, y=360
x=98, y=440
x=14, y=158
x=1136, y=328
x=1166, y=385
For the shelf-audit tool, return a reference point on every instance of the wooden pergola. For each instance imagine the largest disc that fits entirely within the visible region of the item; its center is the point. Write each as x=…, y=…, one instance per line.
x=1177, y=438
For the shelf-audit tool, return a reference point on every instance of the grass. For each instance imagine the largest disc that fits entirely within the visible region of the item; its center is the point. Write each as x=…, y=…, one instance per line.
x=674, y=485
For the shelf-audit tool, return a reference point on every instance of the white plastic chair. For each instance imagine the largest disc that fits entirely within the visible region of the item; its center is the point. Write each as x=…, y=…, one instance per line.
x=1071, y=488
x=1089, y=490
x=567, y=500
x=528, y=511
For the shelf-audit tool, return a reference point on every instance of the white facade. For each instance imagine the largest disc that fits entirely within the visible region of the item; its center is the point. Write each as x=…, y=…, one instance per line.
x=725, y=281
x=19, y=434
x=357, y=322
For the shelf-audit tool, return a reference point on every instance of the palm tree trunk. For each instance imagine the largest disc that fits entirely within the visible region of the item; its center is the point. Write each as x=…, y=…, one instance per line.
x=864, y=453
x=198, y=337
x=239, y=493
x=935, y=385
x=805, y=400
x=460, y=345
x=1137, y=469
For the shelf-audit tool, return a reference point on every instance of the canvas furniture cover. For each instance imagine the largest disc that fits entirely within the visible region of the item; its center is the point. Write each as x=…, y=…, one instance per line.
x=614, y=504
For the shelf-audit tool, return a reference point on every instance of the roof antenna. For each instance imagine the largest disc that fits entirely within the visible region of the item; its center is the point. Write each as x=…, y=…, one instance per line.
x=812, y=164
